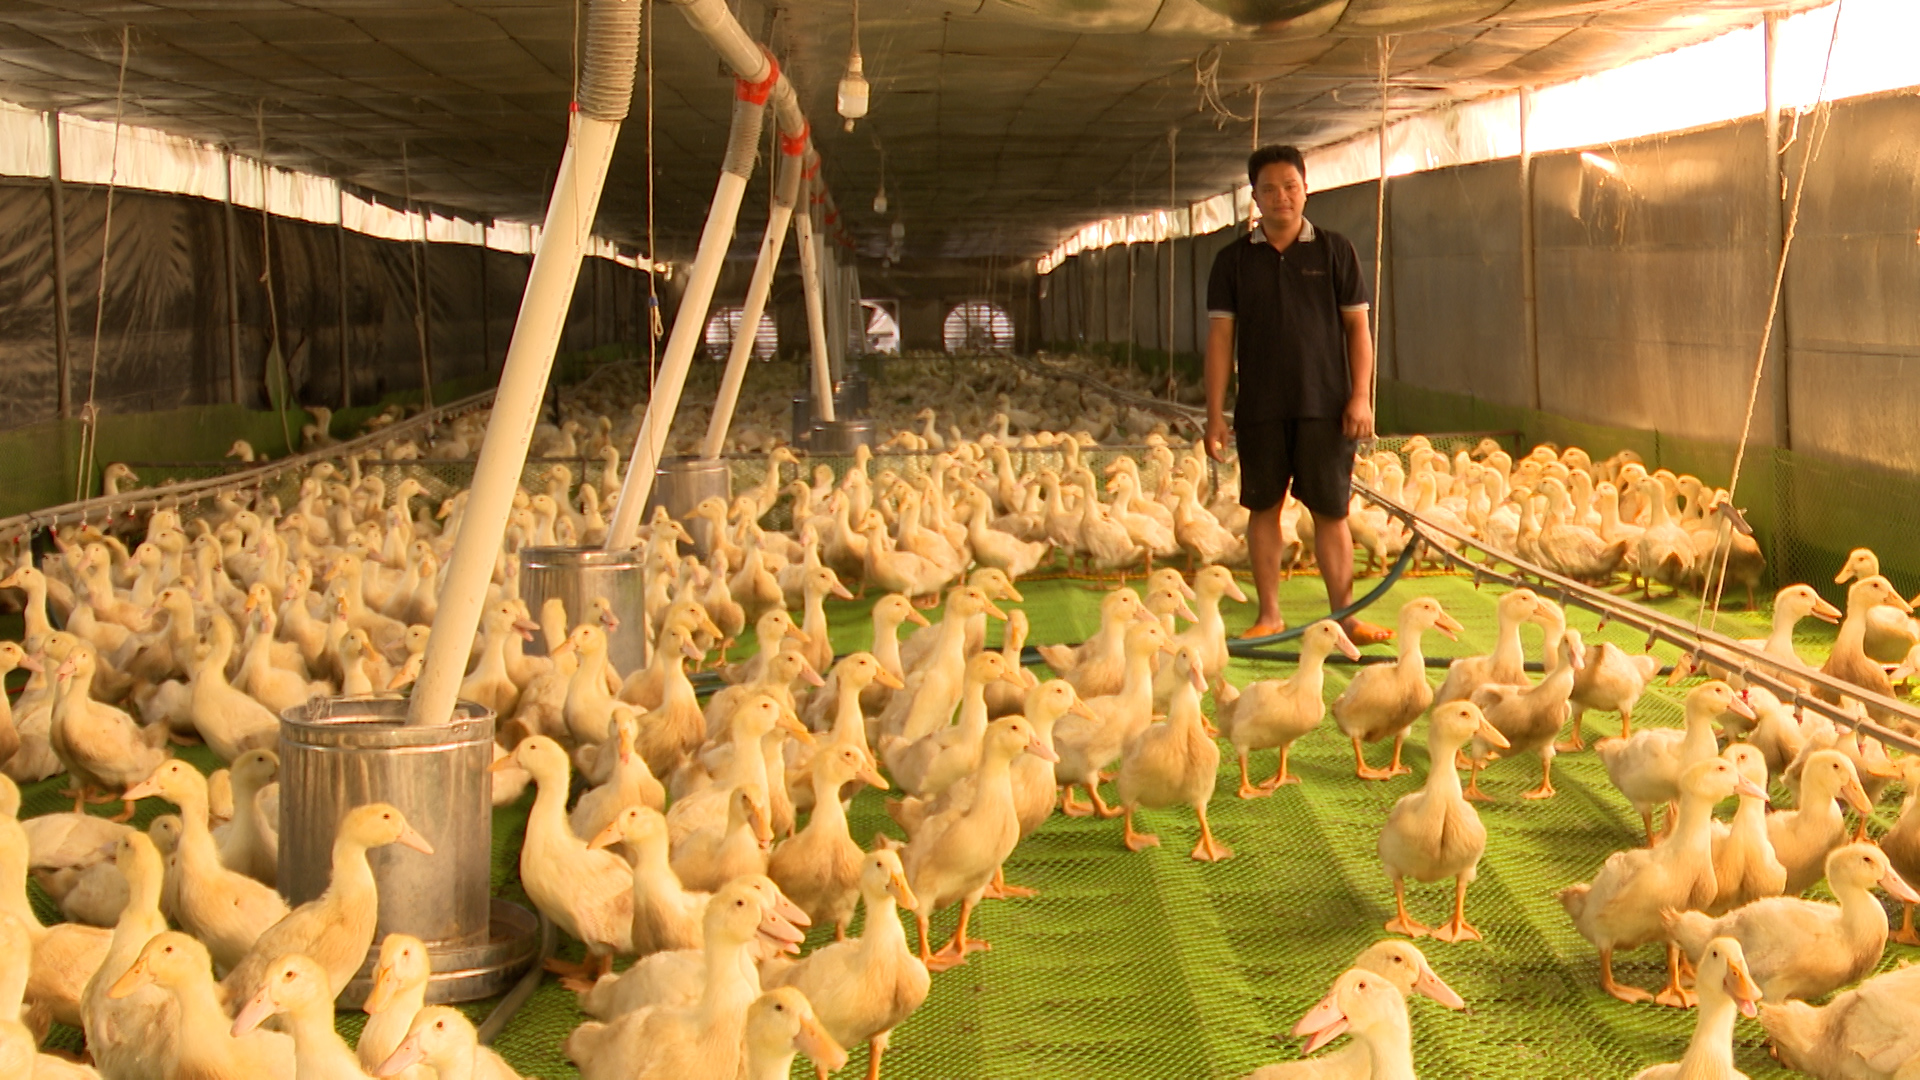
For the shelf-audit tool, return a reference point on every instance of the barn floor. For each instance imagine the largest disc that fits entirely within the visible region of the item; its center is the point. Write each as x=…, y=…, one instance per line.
x=1154, y=966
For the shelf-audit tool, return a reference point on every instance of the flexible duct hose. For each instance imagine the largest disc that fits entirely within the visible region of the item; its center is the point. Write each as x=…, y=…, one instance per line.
x=612, y=55
x=749, y=117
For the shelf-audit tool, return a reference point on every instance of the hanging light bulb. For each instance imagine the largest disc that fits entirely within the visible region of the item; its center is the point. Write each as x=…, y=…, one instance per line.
x=852, y=99
x=880, y=200
x=899, y=230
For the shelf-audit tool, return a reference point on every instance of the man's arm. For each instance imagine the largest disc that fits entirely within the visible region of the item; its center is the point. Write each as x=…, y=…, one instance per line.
x=1219, y=366
x=1358, y=421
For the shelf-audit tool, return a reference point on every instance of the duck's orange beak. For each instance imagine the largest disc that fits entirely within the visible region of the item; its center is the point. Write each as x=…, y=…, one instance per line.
x=917, y=619
x=1324, y=1023
x=888, y=679
x=819, y=1046
x=1429, y=984
x=386, y=983
x=409, y=837
x=136, y=977
x=1742, y=989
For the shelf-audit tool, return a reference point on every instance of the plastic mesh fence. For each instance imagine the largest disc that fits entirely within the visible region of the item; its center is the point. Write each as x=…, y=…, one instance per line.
x=1153, y=966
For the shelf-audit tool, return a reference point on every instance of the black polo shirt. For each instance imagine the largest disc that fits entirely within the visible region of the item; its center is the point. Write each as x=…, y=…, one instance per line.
x=1289, y=342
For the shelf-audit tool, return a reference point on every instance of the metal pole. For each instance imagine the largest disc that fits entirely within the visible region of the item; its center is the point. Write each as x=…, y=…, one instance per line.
x=810, y=258
x=1779, y=356
x=486, y=328
x=779, y=216
x=340, y=253
x=233, y=286
x=1529, y=301
x=56, y=194
x=689, y=323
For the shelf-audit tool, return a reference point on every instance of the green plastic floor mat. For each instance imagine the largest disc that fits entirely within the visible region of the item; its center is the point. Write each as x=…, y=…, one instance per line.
x=1157, y=967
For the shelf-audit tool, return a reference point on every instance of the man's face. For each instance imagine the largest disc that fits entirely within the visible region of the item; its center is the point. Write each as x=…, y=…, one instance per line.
x=1281, y=194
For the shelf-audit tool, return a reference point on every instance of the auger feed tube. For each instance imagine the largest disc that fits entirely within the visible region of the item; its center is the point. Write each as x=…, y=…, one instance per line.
x=786, y=193
x=808, y=240
x=606, y=89
x=689, y=324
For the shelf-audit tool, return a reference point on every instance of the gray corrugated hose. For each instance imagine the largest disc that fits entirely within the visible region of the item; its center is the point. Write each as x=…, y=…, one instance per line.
x=612, y=55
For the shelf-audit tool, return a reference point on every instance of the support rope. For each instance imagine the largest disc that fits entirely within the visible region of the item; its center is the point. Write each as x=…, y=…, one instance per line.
x=89, y=414
x=1723, y=550
x=1379, y=246
x=277, y=370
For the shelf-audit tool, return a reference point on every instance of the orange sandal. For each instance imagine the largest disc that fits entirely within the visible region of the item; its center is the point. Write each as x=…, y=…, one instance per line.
x=1260, y=630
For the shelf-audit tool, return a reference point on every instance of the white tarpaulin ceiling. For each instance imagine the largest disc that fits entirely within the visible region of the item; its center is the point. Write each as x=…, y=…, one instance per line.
x=1000, y=123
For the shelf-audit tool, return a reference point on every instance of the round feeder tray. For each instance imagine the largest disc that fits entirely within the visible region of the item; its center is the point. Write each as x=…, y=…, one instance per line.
x=468, y=972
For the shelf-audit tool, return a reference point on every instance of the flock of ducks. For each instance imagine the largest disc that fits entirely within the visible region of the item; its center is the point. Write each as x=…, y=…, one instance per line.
x=701, y=840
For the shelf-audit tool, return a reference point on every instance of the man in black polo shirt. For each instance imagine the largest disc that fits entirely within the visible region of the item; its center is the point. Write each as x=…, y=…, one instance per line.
x=1288, y=313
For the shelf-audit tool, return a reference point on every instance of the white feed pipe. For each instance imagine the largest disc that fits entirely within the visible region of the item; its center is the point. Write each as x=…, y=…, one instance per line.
x=785, y=194
x=606, y=90
x=805, y=236
x=689, y=323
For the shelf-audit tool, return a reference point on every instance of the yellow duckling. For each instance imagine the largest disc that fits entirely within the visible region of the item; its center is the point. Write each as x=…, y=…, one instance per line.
x=666, y=915
x=130, y=1036
x=1402, y=964
x=781, y=1024
x=929, y=765
x=1745, y=868
x=1866, y=1033
x=204, y=1045
x=400, y=978
x=587, y=893
x=1647, y=766
x=1098, y=665
x=296, y=988
x=630, y=784
x=1849, y=660
x=334, y=930
x=1086, y=747
x=1802, y=948
x=1622, y=907
x=862, y=990
x=443, y=1041
x=955, y=854
x=1276, y=712
x=1383, y=699
x=1890, y=633
x=1367, y=1006
x=250, y=841
x=1174, y=762
x=1803, y=837
x=677, y=977
x=1726, y=987
x=1435, y=832
x=100, y=745
x=1506, y=664
x=704, y=1039
x=1528, y=717
x=717, y=852
x=819, y=867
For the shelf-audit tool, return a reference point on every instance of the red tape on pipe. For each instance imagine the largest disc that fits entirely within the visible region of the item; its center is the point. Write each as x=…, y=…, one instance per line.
x=756, y=93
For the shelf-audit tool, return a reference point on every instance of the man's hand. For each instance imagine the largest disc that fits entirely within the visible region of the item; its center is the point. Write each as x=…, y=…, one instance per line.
x=1216, y=437
x=1358, y=421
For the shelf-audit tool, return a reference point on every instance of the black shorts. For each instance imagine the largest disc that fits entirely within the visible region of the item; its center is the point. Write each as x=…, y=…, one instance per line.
x=1313, y=456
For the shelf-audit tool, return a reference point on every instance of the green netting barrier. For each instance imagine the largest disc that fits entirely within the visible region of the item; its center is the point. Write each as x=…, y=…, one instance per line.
x=1153, y=966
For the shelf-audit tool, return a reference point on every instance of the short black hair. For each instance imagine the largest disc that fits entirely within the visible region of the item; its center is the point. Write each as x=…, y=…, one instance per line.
x=1275, y=155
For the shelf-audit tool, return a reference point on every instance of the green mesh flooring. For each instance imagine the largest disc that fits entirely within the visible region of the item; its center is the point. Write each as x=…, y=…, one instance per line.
x=1154, y=966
